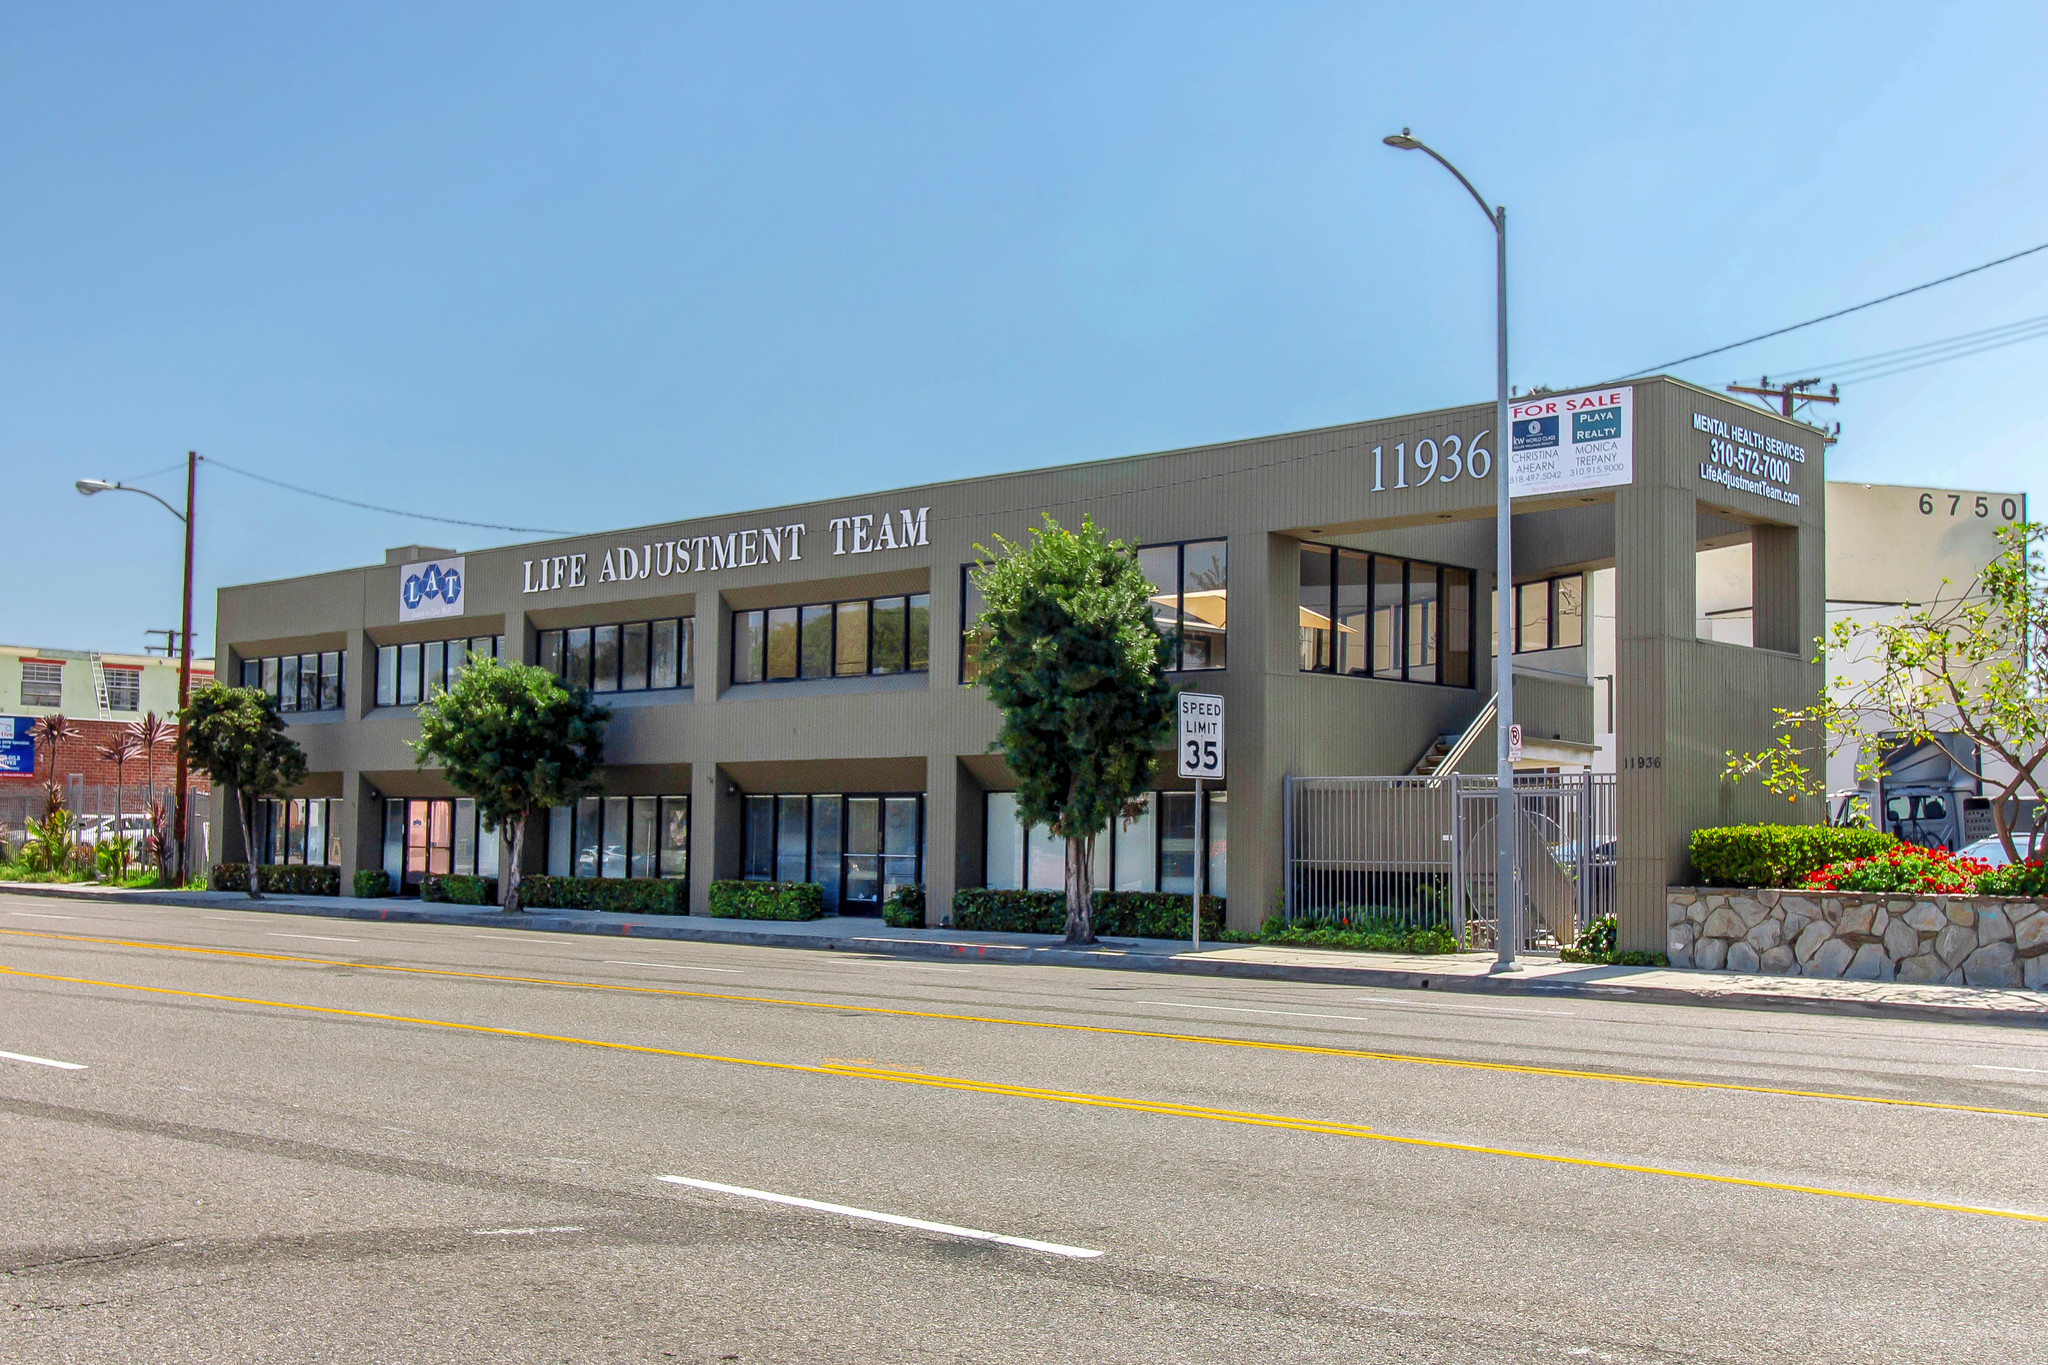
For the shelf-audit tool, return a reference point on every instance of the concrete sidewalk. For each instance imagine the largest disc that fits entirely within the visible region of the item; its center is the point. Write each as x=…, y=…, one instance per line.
x=1455, y=972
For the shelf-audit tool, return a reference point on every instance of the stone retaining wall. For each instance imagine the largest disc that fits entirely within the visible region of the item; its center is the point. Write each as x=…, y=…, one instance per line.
x=1950, y=940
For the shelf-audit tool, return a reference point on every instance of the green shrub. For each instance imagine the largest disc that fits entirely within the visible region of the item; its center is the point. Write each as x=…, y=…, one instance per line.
x=286, y=879
x=1358, y=931
x=457, y=889
x=1118, y=914
x=1777, y=855
x=619, y=895
x=1903, y=867
x=372, y=883
x=768, y=900
x=1596, y=947
x=2015, y=879
x=905, y=908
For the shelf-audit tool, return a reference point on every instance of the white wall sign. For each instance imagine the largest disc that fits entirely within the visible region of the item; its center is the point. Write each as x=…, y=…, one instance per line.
x=430, y=588
x=1201, y=736
x=1563, y=442
x=859, y=535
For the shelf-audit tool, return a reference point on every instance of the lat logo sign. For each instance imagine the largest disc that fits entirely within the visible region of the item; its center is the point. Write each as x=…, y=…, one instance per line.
x=430, y=589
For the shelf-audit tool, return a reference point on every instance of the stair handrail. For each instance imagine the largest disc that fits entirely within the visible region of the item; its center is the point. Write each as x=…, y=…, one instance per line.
x=1477, y=726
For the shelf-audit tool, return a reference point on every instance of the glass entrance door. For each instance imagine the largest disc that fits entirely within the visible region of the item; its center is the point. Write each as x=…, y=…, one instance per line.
x=429, y=839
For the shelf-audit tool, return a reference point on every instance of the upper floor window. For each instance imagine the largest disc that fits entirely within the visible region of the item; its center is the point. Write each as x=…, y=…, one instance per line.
x=1371, y=615
x=877, y=635
x=299, y=682
x=1191, y=594
x=124, y=688
x=42, y=684
x=637, y=656
x=408, y=674
x=1550, y=613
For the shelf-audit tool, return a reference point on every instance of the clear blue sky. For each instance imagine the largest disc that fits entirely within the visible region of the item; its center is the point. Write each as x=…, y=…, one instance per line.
x=594, y=266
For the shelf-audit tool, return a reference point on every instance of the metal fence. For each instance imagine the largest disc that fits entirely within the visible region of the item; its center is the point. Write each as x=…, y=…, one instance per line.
x=104, y=812
x=1420, y=851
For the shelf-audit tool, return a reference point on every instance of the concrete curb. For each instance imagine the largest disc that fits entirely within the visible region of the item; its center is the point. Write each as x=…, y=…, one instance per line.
x=1111, y=957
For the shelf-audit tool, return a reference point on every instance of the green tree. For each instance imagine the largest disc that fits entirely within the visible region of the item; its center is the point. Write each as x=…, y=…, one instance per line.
x=235, y=736
x=516, y=741
x=1077, y=667
x=1972, y=663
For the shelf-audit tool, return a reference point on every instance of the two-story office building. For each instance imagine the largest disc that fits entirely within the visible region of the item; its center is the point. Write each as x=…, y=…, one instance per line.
x=792, y=688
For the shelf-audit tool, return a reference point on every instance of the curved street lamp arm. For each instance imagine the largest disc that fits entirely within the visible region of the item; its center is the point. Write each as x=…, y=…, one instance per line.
x=124, y=488
x=1477, y=198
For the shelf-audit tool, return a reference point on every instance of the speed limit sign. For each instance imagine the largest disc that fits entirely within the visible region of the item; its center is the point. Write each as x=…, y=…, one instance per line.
x=1201, y=736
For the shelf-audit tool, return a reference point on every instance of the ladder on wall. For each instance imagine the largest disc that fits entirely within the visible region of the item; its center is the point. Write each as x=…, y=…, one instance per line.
x=99, y=684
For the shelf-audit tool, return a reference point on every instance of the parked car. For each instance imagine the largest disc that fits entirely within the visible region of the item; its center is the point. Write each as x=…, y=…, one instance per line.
x=1993, y=852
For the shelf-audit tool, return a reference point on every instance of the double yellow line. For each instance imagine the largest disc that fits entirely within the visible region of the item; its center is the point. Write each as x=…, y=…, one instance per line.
x=1204, y=1039
x=1327, y=1127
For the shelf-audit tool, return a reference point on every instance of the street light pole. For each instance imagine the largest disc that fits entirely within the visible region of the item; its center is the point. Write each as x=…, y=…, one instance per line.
x=1506, y=893
x=88, y=487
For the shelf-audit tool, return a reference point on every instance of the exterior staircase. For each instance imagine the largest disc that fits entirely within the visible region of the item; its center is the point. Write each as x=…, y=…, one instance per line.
x=1447, y=751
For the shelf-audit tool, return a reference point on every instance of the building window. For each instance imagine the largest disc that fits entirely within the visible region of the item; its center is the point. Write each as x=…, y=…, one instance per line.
x=1152, y=851
x=1550, y=613
x=435, y=836
x=632, y=656
x=42, y=684
x=1190, y=600
x=298, y=682
x=409, y=674
x=973, y=639
x=863, y=637
x=1368, y=615
x=299, y=831
x=621, y=836
x=124, y=689
x=857, y=848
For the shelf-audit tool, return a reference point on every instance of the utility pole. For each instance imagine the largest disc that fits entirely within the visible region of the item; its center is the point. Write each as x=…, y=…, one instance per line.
x=1791, y=395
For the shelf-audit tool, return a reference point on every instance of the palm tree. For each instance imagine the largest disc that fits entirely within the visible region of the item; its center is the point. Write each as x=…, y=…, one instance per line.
x=149, y=732
x=48, y=733
x=118, y=751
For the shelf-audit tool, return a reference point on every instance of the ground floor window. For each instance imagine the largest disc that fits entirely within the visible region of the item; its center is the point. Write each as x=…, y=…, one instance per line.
x=439, y=836
x=299, y=830
x=1152, y=851
x=859, y=848
x=620, y=836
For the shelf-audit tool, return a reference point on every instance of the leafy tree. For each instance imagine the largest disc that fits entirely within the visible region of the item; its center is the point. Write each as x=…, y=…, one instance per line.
x=1972, y=663
x=1073, y=660
x=515, y=740
x=235, y=736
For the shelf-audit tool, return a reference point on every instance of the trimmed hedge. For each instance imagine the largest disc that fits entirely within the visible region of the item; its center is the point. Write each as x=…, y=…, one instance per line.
x=458, y=889
x=905, y=908
x=370, y=883
x=1122, y=914
x=286, y=879
x=1357, y=931
x=619, y=895
x=1777, y=855
x=767, y=900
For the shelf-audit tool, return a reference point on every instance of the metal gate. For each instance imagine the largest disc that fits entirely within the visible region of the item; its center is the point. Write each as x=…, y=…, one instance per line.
x=1415, y=851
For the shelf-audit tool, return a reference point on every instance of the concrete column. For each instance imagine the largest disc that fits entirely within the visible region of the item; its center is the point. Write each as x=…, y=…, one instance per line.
x=1776, y=606
x=945, y=831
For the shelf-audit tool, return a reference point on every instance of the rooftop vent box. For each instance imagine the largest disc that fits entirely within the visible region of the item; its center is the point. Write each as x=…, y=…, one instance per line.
x=413, y=554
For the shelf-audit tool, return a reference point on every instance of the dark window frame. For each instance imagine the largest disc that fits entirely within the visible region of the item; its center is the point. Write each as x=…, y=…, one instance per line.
x=1400, y=653
x=907, y=601
x=558, y=637
x=1180, y=589
x=845, y=799
x=309, y=691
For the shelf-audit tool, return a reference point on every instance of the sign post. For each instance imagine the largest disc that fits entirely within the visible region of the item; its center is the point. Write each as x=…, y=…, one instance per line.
x=1200, y=751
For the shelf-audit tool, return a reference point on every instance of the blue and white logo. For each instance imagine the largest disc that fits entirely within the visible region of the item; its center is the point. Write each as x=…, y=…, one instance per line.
x=431, y=589
x=1536, y=433
x=17, y=746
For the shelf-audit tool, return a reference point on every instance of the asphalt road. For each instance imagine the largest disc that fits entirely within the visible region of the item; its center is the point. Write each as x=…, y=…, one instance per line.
x=286, y=1139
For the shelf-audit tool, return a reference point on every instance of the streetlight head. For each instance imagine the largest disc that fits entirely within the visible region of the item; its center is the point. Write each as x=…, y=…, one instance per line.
x=1401, y=140
x=88, y=487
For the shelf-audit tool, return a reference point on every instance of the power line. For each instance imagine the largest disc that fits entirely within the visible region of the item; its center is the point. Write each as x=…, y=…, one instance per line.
x=1922, y=364
x=389, y=511
x=1877, y=358
x=1839, y=312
